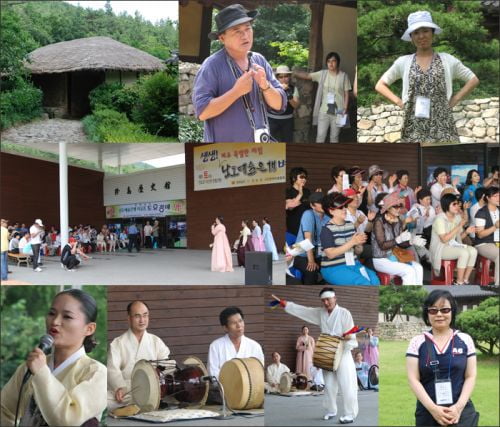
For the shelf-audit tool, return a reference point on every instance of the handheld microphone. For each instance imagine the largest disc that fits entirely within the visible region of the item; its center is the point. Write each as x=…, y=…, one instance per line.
x=249, y=56
x=45, y=344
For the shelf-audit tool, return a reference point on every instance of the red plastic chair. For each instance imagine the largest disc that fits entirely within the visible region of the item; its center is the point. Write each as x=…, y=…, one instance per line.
x=485, y=273
x=385, y=279
x=446, y=274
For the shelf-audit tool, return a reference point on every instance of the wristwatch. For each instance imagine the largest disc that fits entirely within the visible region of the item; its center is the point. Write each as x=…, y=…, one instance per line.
x=268, y=87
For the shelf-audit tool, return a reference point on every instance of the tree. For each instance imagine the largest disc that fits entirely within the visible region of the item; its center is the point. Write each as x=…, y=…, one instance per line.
x=400, y=300
x=382, y=23
x=482, y=324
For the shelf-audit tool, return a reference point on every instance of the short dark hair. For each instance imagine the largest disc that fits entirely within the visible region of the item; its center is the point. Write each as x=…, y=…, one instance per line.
x=220, y=218
x=431, y=299
x=490, y=191
x=265, y=219
x=468, y=180
x=335, y=200
x=438, y=171
x=402, y=172
x=494, y=168
x=335, y=172
x=447, y=200
x=129, y=306
x=89, y=308
x=423, y=193
x=331, y=55
x=479, y=193
x=326, y=289
x=378, y=198
x=227, y=313
x=295, y=172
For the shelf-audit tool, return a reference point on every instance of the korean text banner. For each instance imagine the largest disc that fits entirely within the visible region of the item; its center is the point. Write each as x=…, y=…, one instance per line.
x=152, y=209
x=225, y=165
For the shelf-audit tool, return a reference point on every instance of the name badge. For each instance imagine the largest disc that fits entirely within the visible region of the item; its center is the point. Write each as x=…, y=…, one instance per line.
x=330, y=98
x=422, y=107
x=444, y=395
x=349, y=258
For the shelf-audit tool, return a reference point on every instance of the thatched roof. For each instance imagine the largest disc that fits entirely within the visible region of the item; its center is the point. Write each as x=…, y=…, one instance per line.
x=91, y=53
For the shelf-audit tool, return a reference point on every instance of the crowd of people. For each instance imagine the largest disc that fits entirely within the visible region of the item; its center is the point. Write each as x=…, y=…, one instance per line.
x=256, y=239
x=39, y=240
x=372, y=227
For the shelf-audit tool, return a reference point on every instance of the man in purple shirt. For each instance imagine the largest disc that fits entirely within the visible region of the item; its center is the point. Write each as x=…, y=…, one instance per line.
x=235, y=87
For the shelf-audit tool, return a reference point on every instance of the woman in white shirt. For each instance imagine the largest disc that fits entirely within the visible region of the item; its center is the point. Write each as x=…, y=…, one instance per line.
x=427, y=98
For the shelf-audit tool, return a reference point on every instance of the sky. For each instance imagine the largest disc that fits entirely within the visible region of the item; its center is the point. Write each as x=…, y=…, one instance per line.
x=150, y=10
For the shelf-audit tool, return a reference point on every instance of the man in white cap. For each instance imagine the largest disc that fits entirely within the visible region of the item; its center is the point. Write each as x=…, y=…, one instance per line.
x=282, y=123
x=235, y=88
x=333, y=320
x=37, y=232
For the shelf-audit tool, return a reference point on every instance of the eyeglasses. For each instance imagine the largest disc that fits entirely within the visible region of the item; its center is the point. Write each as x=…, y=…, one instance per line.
x=435, y=311
x=398, y=206
x=302, y=176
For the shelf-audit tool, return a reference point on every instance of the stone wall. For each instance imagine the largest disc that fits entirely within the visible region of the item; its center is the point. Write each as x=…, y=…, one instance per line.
x=303, y=114
x=476, y=121
x=400, y=331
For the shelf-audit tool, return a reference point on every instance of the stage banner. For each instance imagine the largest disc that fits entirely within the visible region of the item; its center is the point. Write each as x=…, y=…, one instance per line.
x=150, y=209
x=223, y=165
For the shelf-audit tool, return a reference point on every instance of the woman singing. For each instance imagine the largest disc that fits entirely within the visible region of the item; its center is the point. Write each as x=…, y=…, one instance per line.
x=66, y=388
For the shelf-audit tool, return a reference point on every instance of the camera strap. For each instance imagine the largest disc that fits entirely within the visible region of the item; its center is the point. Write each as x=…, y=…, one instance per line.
x=246, y=99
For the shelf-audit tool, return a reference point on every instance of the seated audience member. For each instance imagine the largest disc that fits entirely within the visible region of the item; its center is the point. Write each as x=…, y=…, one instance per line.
x=337, y=175
x=446, y=241
x=311, y=222
x=274, y=372
x=479, y=195
x=487, y=221
x=101, y=242
x=406, y=192
x=375, y=185
x=492, y=180
x=423, y=215
x=441, y=177
x=391, y=244
x=14, y=243
x=341, y=243
x=472, y=183
x=123, y=242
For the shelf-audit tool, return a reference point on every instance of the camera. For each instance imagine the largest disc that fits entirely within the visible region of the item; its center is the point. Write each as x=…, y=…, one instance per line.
x=332, y=109
x=262, y=135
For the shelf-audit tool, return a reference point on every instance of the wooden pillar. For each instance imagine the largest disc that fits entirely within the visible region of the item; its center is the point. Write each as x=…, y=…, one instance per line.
x=316, y=36
x=206, y=27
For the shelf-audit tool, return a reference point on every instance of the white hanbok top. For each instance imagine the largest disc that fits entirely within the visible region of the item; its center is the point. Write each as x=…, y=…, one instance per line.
x=335, y=323
x=222, y=349
x=274, y=372
x=125, y=351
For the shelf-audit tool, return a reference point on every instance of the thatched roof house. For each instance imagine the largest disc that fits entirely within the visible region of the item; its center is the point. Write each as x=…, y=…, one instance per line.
x=67, y=71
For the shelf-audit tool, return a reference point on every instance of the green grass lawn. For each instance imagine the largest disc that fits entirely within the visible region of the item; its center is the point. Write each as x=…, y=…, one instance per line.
x=397, y=402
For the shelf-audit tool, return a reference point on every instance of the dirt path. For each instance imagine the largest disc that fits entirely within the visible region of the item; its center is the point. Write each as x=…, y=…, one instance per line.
x=48, y=130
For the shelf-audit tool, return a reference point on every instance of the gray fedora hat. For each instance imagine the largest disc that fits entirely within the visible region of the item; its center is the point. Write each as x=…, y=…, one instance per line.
x=231, y=16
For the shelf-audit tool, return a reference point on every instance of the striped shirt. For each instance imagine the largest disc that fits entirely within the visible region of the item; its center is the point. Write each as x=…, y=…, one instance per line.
x=333, y=236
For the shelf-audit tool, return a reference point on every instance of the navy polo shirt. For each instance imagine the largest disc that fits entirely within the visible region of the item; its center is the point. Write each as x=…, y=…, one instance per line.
x=458, y=349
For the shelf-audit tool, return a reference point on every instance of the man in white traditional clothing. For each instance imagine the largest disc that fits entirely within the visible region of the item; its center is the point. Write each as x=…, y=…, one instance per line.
x=274, y=372
x=333, y=320
x=127, y=349
x=233, y=344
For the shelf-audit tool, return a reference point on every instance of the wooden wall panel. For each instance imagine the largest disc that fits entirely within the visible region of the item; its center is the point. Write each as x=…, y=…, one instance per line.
x=282, y=329
x=187, y=318
x=234, y=204
x=30, y=190
x=318, y=160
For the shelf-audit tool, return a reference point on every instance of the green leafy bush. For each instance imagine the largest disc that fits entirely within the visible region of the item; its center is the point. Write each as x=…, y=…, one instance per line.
x=190, y=129
x=21, y=104
x=290, y=53
x=157, y=101
x=114, y=96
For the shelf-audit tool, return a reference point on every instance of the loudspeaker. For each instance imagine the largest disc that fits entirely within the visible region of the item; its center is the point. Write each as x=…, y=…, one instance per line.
x=258, y=268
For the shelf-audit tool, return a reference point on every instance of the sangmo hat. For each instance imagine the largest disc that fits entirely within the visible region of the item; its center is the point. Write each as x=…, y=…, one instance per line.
x=417, y=20
x=231, y=16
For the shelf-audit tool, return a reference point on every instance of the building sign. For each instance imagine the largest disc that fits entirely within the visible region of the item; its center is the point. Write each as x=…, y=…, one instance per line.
x=145, y=186
x=238, y=165
x=149, y=209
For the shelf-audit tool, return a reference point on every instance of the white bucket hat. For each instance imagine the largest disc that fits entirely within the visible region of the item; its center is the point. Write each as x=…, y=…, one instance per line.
x=282, y=69
x=417, y=20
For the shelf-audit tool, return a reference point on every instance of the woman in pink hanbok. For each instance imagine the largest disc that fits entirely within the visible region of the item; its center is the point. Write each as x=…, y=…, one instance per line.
x=369, y=345
x=305, y=349
x=222, y=259
x=257, y=237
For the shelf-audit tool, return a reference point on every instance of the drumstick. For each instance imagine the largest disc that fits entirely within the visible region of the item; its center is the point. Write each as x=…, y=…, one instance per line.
x=275, y=297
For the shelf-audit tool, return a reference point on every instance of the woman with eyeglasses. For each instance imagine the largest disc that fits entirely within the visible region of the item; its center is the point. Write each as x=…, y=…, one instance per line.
x=446, y=240
x=392, y=245
x=67, y=387
x=441, y=366
x=281, y=124
x=341, y=245
x=332, y=97
x=297, y=201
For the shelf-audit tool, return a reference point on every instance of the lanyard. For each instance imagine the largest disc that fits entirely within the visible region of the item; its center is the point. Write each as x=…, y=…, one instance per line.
x=246, y=98
x=434, y=363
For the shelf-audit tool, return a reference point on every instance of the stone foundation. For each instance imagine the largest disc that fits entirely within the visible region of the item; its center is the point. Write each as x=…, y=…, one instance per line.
x=476, y=121
x=401, y=331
